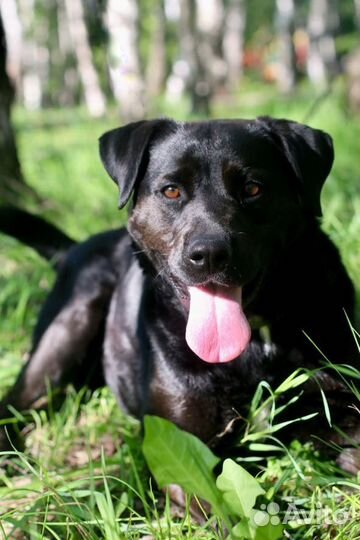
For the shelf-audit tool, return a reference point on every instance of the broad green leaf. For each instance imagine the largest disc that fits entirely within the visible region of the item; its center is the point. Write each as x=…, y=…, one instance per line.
x=249, y=529
x=269, y=532
x=239, y=488
x=243, y=530
x=177, y=457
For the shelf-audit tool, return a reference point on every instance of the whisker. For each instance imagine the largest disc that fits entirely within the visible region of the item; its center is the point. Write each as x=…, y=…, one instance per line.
x=160, y=273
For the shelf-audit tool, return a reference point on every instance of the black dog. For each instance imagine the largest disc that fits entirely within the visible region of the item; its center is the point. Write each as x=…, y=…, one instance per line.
x=223, y=239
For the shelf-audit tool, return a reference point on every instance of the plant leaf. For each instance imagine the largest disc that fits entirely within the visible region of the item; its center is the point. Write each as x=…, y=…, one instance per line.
x=326, y=407
x=243, y=530
x=250, y=530
x=292, y=381
x=239, y=488
x=177, y=457
x=264, y=447
x=269, y=532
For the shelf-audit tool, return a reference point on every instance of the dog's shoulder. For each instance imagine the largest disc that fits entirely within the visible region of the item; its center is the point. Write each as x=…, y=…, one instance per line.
x=324, y=263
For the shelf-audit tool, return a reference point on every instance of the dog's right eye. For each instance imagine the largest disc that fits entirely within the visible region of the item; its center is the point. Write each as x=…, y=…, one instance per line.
x=171, y=192
x=252, y=190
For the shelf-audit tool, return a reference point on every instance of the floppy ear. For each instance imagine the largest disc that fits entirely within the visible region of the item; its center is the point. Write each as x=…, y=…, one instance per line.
x=124, y=153
x=310, y=154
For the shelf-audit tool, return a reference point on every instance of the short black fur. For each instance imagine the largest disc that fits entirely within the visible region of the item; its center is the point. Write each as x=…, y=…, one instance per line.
x=119, y=307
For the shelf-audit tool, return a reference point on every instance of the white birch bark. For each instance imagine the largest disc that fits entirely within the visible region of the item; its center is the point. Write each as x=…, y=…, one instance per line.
x=285, y=16
x=210, y=23
x=357, y=12
x=156, y=68
x=233, y=42
x=352, y=70
x=13, y=31
x=191, y=65
x=34, y=57
x=322, y=23
x=94, y=97
x=124, y=62
x=67, y=95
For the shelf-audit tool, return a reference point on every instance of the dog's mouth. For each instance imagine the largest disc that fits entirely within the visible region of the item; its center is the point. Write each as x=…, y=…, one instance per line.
x=217, y=329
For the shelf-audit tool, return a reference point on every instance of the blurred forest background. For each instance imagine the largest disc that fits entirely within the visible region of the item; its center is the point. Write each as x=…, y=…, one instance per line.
x=146, y=57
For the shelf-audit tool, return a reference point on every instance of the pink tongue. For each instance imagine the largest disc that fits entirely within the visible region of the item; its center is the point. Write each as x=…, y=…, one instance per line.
x=217, y=329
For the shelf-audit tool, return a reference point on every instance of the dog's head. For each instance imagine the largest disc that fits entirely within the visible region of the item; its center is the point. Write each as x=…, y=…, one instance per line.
x=213, y=204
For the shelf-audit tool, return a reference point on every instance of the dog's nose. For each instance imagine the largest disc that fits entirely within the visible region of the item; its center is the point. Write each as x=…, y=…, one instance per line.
x=208, y=254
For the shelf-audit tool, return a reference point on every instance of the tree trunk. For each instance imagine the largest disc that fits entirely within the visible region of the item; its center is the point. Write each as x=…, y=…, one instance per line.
x=70, y=89
x=12, y=184
x=191, y=71
x=124, y=61
x=156, y=68
x=352, y=71
x=285, y=19
x=357, y=13
x=323, y=23
x=210, y=24
x=34, y=61
x=13, y=31
x=195, y=76
x=94, y=97
x=233, y=42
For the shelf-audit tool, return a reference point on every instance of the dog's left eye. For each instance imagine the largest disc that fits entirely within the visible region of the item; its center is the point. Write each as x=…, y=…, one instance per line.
x=251, y=189
x=171, y=192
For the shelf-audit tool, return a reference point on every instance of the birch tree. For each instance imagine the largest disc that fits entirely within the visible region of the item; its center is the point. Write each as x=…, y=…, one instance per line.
x=122, y=20
x=285, y=22
x=34, y=54
x=94, y=97
x=352, y=69
x=156, y=67
x=69, y=90
x=323, y=22
x=357, y=12
x=233, y=41
x=193, y=70
x=13, y=31
x=210, y=26
x=12, y=184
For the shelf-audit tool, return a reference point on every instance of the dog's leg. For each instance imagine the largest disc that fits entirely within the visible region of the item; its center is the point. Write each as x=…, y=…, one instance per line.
x=59, y=354
x=349, y=439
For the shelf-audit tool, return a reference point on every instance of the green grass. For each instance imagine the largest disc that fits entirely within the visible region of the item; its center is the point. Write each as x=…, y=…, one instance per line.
x=82, y=474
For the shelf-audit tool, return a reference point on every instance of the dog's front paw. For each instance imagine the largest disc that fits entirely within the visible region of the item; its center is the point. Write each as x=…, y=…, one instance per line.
x=349, y=460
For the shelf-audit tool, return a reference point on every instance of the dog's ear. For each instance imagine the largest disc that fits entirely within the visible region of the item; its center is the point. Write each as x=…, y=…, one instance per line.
x=309, y=152
x=125, y=151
